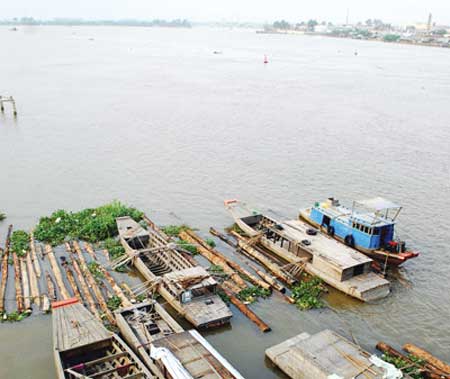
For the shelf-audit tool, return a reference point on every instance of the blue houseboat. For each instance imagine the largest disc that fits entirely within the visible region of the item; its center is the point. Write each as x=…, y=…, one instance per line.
x=369, y=232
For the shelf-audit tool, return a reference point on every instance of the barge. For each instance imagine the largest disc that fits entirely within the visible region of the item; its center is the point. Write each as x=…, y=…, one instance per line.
x=84, y=348
x=337, y=265
x=171, y=352
x=371, y=233
x=188, y=288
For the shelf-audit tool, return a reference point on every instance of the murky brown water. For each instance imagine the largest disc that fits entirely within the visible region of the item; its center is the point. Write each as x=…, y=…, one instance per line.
x=154, y=118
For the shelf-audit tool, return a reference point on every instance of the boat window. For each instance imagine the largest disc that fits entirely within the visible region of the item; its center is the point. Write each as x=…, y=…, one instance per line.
x=366, y=229
x=376, y=231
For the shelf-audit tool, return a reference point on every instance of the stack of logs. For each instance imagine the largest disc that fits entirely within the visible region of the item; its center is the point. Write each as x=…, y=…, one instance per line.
x=426, y=364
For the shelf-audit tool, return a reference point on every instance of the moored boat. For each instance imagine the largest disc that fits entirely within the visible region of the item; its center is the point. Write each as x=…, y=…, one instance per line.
x=372, y=233
x=189, y=289
x=339, y=266
x=171, y=352
x=84, y=348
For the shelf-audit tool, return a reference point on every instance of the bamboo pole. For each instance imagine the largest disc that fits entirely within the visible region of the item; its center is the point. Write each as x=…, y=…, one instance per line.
x=34, y=258
x=247, y=311
x=34, y=286
x=72, y=283
x=45, y=303
x=25, y=285
x=57, y=272
x=83, y=285
x=269, y=279
x=4, y=280
x=214, y=259
x=92, y=283
x=17, y=275
x=263, y=260
x=223, y=237
x=235, y=266
x=88, y=247
x=426, y=356
x=117, y=290
x=106, y=252
x=50, y=287
x=231, y=286
x=130, y=292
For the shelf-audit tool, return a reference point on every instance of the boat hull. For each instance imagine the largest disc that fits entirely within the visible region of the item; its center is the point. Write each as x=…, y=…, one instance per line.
x=384, y=257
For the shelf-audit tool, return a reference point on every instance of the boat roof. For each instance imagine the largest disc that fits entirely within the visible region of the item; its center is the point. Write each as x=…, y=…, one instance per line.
x=378, y=204
x=74, y=326
x=323, y=246
x=189, y=278
x=128, y=228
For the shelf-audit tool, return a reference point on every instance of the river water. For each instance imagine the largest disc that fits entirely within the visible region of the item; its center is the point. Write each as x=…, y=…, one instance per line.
x=152, y=117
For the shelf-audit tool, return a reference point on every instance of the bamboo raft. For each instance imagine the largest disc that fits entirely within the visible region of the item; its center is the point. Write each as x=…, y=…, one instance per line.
x=84, y=349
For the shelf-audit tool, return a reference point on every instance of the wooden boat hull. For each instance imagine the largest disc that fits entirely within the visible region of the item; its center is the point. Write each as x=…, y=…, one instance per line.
x=383, y=257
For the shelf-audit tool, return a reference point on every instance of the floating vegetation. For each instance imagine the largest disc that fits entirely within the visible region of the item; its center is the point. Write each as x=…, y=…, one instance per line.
x=412, y=370
x=226, y=299
x=142, y=297
x=14, y=316
x=211, y=242
x=188, y=247
x=20, y=242
x=307, y=293
x=114, y=247
x=2, y=216
x=175, y=230
x=235, y=228
x=94, y=268
x=92, y=224
x=114, y=303
x=251, y=294
x=216, y=269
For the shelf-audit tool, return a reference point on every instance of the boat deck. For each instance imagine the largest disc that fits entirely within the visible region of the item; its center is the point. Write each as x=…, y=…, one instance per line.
x=75, y=326
x=199, y=358
x=325, y=355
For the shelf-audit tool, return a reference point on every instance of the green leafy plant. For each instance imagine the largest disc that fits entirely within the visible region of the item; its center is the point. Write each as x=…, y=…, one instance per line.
x=114, y=247
x=92, y=224
x=94, y=268
x=14, y=316
x=20, y=242
x=175, y=230
x=216, y=269
x=211, y=242
x=235, y=228
x=2, y=216
x=140, y=298
x=114, y=303
x=188, y=246
x=251, y=294
x=307, y=293
x=412, y=370
x=226, y=299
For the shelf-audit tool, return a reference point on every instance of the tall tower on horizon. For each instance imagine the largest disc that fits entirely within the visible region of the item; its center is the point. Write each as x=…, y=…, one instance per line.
x=430, y=20
x=347, y=18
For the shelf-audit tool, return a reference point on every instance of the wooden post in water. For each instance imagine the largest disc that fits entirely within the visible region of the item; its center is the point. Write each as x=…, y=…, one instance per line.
x=34, y=257
x=50, y=287
x=25, y=285
x=5, y=270
x=34, y=286
x=17, y=275
x=57, y=272
x=117, y=290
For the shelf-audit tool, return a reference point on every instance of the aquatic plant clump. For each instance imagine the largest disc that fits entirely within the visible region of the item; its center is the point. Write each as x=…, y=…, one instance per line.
x=94, y=268
x=92, y=224
x=188, y=247
x=251, y=294
x=413, y=371
x=114, y=303
x=175, y=230
x=307, y=294
x=2, y=216
x=14, y=316
x=114, y=248
x=216, y=269
x=20, y=242
x=211, y=242
x=234, y=228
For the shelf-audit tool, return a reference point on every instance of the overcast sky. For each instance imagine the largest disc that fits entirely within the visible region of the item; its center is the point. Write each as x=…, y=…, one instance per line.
x=394, y=11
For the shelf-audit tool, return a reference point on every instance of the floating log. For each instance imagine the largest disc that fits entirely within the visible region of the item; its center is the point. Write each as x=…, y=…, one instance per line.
x=5, y=270
x=426, y=356
x=263, y=260
x=231, y=286
x=247, y=312
x=88, y=247
x=85, y=289
x=223, y=237
x=93, y=284
x=213, y=258
x=235, y=266
x=34, y=286
x=429, y=373
x=34, y=258
x=117, y=290
x=45, y=303
x=269, y=279
x=51, y=291
x=25, y=285
x=106, y=252
x=128, y=290
x=57, y=273
x=72, y=282
x=17, y=275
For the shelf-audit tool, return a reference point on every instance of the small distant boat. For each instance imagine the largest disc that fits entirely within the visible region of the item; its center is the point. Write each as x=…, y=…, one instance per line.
x=265, y=59
x=84, y=348
x=371, y=232
x=295, y=242
x=189, y=289
x=166, y=348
